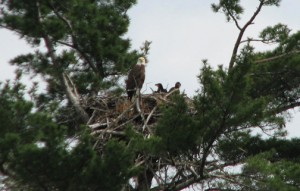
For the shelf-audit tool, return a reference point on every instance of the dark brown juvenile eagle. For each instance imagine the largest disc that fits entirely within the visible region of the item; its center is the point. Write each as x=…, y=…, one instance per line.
x=136, y=78
x=177, y=86
x=160, y=88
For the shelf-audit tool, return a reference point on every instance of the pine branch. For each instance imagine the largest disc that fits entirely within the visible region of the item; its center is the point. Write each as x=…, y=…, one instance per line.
x=234, y=19
x=242, y=31
x=63, y=78
x=128, y=121
x=277, y=57
x=258, y=40
x=73, y=36
x=285, y=108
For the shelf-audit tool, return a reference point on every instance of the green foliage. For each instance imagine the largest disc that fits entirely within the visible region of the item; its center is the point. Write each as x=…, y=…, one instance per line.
x=249, y=145
x=50, y=164
x=84, y=39
x=233, y=10
x=282, y=175
x=271, y=2
x=92, y=31
x=178, y=131
x=278, y=33
x=229, y=96
x=14, y=118
x=108, y=172
x=278, y=78
x=138, y=144
x=231, y=103
x=230, y=8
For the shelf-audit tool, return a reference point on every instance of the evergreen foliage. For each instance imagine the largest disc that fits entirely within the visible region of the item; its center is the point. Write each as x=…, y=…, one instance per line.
x=51, y=140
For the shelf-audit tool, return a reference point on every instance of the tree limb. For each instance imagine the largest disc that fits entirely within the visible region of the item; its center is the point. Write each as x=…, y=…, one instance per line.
x=147, y=120
x=238, y=40
x=73, y=36
x=276, y=57
x=62, y=76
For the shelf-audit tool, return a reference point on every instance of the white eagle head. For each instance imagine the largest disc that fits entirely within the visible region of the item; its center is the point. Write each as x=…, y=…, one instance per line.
x=141, y=61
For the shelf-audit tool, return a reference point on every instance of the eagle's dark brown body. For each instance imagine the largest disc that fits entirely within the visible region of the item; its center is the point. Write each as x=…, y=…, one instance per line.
x=136, y=78
x=177, y=86
x=160, y=88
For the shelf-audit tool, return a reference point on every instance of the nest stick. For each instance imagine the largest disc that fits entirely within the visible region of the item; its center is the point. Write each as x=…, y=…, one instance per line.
x=147, y=120
x=138, y=104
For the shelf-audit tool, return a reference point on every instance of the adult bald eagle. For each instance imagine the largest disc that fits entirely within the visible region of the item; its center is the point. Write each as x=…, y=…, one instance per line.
x=160, y=88
x=177, y=86
x=136, y=78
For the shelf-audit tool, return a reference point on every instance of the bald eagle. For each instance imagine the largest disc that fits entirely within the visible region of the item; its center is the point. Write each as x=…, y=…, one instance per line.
x=177, y=86
x=136, y=78
x=160, y=88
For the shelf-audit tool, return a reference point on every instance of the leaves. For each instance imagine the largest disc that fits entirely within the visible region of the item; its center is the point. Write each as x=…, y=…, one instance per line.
x=231, y=8
x=282, y=175
x=177, y=129
x=278, y=33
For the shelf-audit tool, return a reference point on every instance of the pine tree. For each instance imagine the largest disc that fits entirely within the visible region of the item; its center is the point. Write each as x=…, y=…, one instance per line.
x=81, y=133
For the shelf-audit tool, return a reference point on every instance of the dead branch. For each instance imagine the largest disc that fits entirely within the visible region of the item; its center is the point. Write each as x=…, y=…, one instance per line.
x=108, y=131
x=74, y=99
x=97, y=125
x=276, y=57
x=147, y=120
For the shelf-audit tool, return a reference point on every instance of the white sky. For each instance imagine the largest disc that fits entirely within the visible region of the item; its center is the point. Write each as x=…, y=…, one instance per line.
x=183, y=32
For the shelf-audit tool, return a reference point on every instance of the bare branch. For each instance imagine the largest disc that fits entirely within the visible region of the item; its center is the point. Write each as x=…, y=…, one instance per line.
x=92, y=117
x=123, y=124
x=138, y=104
x=97, y=125
x=74, y=99
x=276, y=57
x=258, y=40
x=109, y=132
x=147, y=120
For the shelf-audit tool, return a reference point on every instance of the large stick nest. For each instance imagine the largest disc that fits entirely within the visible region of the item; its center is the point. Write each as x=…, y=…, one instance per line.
x=111, y=114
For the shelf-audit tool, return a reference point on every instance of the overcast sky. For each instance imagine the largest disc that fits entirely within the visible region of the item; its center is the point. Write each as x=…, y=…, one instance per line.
x=183, y=32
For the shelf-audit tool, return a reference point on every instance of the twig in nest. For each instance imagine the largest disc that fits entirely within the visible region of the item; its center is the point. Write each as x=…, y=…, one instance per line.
x=122, y=114
x=127, y=122
x=108, y=132
x=107, y=124
x=147, y=120
x=138, y=105
x=92, y=117
x=172, y=92
x=98, y=109
x=96, y=125
x=107, y=121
